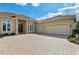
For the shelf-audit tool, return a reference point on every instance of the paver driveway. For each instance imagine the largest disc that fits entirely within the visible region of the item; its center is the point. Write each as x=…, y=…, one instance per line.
x=36, y=44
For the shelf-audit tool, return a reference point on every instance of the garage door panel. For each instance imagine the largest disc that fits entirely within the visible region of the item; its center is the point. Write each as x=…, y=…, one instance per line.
x=57, y=29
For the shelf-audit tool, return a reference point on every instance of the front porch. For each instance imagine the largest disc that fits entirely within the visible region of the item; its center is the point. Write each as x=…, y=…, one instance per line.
x=24, y=26
x=21, y=26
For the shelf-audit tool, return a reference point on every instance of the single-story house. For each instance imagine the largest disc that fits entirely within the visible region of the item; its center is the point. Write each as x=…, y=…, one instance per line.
x=18, y=24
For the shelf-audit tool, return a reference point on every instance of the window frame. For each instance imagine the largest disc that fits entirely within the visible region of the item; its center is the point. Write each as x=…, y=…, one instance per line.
x=3, y=22
x=6, y=22
x=31, y=26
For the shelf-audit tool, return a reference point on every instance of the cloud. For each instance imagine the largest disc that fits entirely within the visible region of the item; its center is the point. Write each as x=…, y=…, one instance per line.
x=49, y=15
x=74, y=8
x=41, y=18
x=22, y=4
x=67, y=10
x=71, y=10
x=35, y=4
x=68, y=4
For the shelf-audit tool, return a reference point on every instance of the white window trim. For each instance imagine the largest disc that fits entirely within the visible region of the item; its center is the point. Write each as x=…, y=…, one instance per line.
x=6, y=26
x=31, y=24
x=10, y=25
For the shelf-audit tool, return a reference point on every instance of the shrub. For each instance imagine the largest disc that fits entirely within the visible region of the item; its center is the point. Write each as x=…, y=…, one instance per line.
x=74, y=40
x=6, y=34
x=74, y=32
x=1, y=36
x=12, y=33
x=77, y=41
x=71, y=36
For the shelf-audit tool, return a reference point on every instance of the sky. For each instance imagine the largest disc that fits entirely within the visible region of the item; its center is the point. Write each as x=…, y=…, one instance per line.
x=40, y=11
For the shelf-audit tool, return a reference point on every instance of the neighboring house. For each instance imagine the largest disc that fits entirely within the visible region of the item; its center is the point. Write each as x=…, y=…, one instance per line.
x=16, y=23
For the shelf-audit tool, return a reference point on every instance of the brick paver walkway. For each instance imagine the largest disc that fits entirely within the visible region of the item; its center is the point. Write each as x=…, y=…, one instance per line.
x=36, y=44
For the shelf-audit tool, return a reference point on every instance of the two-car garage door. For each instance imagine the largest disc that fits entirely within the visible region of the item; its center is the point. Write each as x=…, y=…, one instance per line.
x=57, y=29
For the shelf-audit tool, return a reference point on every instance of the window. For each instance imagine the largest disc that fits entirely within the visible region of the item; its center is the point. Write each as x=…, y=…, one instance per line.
x=31, y=27
x=6, y=25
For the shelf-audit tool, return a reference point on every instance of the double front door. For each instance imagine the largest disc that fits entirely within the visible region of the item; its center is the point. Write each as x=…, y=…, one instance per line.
x=20, y=28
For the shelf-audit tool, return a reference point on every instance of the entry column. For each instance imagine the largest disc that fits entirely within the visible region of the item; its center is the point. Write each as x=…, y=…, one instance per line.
x=16, y=26
x=27, y=25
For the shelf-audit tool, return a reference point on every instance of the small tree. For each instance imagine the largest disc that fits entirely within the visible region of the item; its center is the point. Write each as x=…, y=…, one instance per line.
x=76, y=30
x=77, y=25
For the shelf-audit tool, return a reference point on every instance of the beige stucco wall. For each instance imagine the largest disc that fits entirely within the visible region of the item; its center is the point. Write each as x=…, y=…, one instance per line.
x=0, y=25
x=60, y=21
x=13, y=24
x=40, y=27
x=51, y=22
